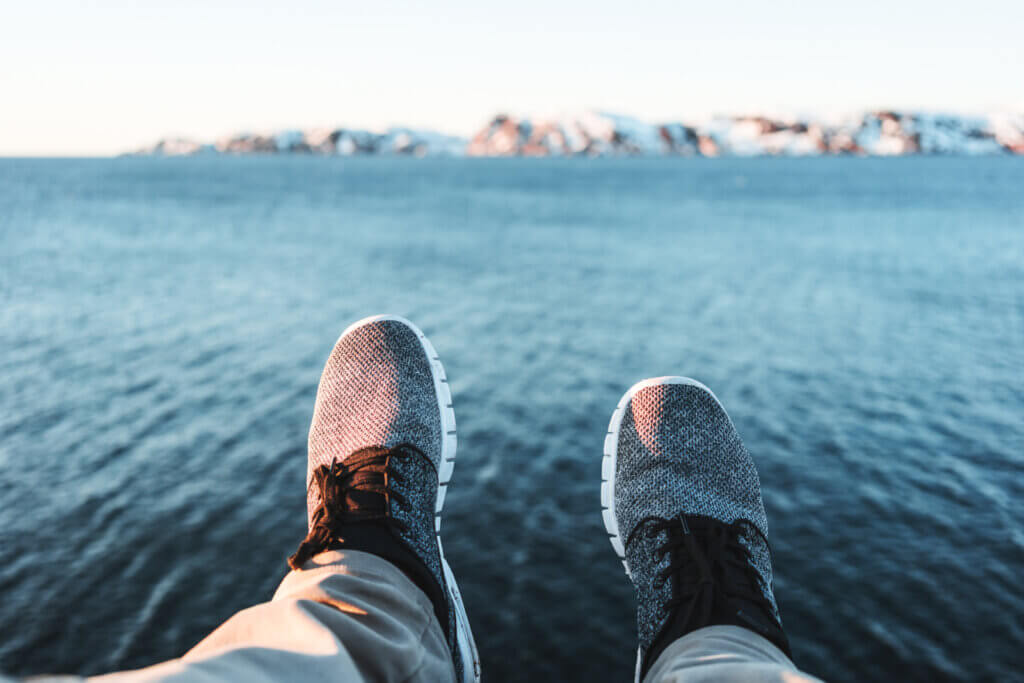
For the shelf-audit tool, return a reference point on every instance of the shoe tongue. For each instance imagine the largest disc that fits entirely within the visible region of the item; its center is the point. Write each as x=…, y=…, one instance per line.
x=731, y=606
x=365, y=502
x=364, y=492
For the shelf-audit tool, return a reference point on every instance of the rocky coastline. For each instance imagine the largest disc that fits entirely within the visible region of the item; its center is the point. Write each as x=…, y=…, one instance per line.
x=876, y=133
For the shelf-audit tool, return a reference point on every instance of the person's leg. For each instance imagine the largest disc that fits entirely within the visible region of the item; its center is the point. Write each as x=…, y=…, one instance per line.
x=346, y=616
x=724, y=653
x=681, y=501
x=371, y=596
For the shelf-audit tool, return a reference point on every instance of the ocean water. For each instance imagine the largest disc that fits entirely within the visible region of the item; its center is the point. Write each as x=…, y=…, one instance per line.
x=163, y=325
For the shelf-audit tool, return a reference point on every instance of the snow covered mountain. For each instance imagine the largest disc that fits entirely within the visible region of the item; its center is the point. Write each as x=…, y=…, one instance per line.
x=878, y=133
x=321, y=141
x=881, y=133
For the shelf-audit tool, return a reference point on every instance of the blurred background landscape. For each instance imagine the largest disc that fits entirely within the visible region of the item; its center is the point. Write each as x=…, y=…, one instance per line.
x=593, y=134
x=817, y=212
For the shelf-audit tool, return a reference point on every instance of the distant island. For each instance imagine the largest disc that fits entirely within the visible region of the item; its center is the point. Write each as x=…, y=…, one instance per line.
x=876, y=133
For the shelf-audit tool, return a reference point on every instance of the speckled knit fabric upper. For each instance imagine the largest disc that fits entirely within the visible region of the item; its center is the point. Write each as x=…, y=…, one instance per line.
x=377, y=389
x=678, y=452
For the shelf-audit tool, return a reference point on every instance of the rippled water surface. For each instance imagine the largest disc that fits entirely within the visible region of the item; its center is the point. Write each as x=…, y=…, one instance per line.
x=163, y=324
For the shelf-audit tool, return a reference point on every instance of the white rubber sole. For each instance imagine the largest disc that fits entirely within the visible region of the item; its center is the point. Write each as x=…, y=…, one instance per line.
x=608, y=464
x=449, y=442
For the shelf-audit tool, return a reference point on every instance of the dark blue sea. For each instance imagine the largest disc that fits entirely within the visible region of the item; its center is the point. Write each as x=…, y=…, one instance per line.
x=163, y=325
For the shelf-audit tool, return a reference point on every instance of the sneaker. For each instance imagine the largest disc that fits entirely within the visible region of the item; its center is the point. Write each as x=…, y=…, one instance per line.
x=381, y=454
x=681, y=501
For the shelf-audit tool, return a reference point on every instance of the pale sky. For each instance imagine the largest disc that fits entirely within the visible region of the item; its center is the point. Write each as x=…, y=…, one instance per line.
x=88, y=77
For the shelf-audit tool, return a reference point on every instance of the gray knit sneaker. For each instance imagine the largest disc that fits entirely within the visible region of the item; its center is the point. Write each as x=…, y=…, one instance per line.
x=681, y=501
x=381, y=454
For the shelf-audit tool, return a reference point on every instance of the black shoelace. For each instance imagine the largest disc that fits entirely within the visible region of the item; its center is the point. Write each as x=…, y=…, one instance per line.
x=356, y=489
x=711, y=566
